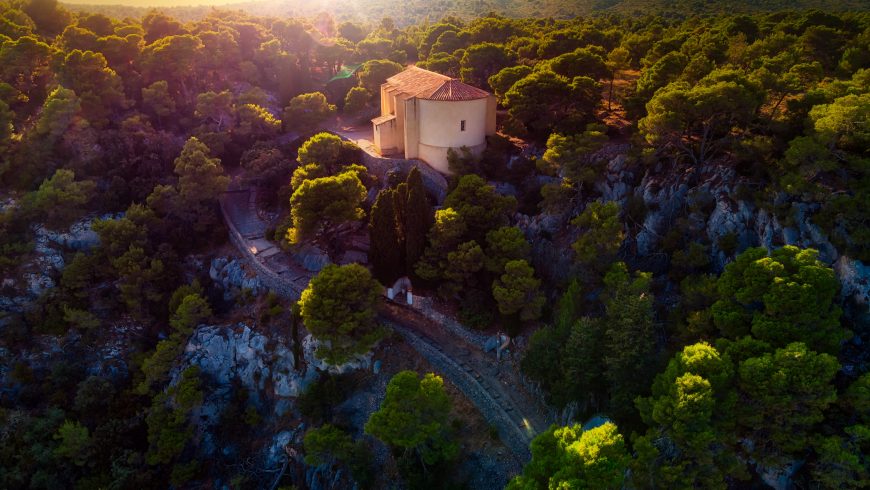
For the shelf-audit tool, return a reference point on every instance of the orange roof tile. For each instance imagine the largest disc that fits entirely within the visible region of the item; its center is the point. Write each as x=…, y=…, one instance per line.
x=425, y=84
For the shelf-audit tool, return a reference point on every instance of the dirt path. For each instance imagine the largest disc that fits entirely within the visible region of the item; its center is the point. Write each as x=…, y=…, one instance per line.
x=494, y=388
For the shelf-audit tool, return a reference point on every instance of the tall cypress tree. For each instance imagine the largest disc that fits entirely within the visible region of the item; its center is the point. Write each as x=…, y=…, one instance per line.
x=385, y=253
x=417, y=218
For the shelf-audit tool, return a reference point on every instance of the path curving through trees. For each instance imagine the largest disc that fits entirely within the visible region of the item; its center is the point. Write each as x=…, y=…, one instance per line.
x=495, y=389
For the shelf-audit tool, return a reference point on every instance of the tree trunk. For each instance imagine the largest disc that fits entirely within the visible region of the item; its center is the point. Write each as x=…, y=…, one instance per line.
x=610, y=95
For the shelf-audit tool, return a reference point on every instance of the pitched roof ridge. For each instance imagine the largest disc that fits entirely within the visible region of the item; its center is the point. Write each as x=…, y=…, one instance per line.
x=425, y=84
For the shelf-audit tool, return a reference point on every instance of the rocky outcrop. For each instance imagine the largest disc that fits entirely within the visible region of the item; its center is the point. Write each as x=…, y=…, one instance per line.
x=616, y=184
x=262, y=365
x=234, y=276
x=311, y=258
x=854, y=278
x=708, y=198
x=40, y=272
x=551, y=263
x=309, y=349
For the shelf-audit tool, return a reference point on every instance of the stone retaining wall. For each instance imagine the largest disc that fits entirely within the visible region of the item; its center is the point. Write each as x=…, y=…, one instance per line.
x=495, y=414
x=434, y=182
x=267, y=277
x=426, y=306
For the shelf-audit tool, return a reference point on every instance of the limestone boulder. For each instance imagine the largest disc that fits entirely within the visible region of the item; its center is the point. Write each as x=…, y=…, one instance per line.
x=309, y=349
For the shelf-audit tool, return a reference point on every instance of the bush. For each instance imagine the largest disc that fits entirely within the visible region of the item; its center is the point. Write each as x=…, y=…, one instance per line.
x=318, y=401
x=728, y=243
x=475, y=310
x=356, y=99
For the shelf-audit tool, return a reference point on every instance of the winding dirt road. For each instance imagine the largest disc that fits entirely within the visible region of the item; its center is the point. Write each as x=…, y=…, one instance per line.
x=494, y=388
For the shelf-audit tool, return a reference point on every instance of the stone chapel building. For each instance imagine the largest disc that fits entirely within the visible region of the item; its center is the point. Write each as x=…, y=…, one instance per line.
x=424, y=114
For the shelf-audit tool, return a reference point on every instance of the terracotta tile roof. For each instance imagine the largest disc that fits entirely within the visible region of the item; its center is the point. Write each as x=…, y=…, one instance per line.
x=455, y=90
x=425, y=84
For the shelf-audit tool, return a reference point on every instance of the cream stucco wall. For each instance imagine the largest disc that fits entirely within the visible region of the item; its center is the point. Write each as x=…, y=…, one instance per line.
x=440, y=129
x=440, y=123
x=385, y=137
x=412, y=128
x=427, y=129
x=436, y=156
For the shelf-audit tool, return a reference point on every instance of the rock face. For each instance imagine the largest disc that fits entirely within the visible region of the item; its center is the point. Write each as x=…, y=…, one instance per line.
x=708, y=198
x=780, y=478
x=40, y=273
x=80, y=236
x=855, y=279
x=617, y=179
x=309, y=349
x=233, y=276
x=237, y=352
x=311, y=258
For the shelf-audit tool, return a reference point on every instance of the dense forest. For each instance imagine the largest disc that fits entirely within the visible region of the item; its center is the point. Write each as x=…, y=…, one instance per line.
x=420, y=11
x=671, y=224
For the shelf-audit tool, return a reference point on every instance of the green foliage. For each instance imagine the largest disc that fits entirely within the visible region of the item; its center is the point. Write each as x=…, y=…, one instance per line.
x=201, y=180
x=156, y=97
x=690, y=414
x=265, y=165
x=385, y=253
x=601, y=235
x=307, y=111
x=601, y=363
x=256, y=123
x=58, y=113
x=767, y=296
x=580, y=62
x=75, y=442
x=318, y=402
x=6, y=129
x=325, y=150
x=565, y=155
x=462, y=265
x=696, y=120
x=192, y=310
x=414, y=416
x=517, y=291
x=544, y=101
x=98, y=86
x=629, y=350
x=416, y=215
x=81, y=319
x=479, y=206
x=60, y=199
x=564, y=457
x=169, y=425
x=375, y=72
x=356, y=100
x=319, y=205
x=482, y=61
x=328, y=444
x=444, y=236
x=788, y=391
x=339, y=308
x=502, y=81
x=503, y=245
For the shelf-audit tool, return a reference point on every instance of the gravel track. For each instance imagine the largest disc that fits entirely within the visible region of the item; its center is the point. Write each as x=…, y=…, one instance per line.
x=457, y=355
x=511, y=431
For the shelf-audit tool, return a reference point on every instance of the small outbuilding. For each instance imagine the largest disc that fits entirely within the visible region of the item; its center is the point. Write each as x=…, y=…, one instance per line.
x=424, y=114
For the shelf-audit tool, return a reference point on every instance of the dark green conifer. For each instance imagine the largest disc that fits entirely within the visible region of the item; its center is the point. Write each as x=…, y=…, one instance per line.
x=385, y=253
x=417, y=218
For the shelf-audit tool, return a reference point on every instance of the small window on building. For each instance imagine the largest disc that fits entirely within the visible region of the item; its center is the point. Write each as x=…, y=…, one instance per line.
x=462, y=125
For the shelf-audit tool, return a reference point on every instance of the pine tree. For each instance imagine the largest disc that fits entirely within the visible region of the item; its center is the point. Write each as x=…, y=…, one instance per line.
x=386, y=251
x=416, y=214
